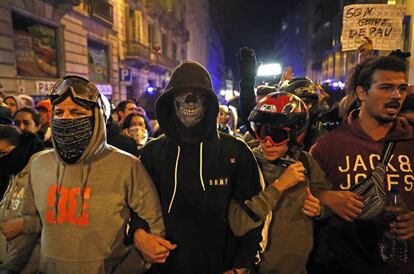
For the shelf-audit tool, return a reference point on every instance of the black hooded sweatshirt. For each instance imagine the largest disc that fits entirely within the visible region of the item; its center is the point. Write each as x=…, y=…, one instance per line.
x=196, y=182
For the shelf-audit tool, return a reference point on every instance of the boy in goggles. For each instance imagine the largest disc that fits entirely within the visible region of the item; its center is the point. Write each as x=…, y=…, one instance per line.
x=287, y=204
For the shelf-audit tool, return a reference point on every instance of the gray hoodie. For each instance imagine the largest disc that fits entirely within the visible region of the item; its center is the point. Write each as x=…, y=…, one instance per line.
x=84, y=207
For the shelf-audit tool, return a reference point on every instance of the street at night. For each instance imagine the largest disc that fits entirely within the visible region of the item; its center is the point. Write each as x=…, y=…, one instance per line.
x=206, y=137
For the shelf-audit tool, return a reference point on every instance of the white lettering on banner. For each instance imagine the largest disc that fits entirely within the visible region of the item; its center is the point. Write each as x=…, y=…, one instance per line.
x=381, y=22
x=354, y=169
x=43, y=87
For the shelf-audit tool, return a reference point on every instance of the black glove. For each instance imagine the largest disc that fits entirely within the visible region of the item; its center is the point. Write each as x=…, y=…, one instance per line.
x=247, y=65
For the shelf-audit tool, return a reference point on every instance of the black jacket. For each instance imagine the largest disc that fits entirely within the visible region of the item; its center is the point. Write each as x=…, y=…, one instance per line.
x=195, y=183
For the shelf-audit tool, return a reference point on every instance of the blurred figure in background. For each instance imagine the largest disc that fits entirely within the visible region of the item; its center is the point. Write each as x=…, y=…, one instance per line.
x=16, y=244
x=124, y=108
x=138, y=127
x=44, y=107
x=6, y=117
x=14, y=103
x=27, y=100
x=27, y=120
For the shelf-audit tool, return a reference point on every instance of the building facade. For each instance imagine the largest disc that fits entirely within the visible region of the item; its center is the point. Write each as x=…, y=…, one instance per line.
x=317, y=51
x=205, y=45
x=125, y=46
x=44, y=40
x=152, y=43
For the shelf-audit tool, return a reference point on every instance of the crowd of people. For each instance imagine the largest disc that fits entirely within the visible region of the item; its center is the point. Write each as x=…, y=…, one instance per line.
x=89, y=188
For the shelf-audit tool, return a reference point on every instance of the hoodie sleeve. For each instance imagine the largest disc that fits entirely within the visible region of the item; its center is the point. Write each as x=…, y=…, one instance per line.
x=31, y=218
x=318, y=183
x=20, y=248
x=247, y=184
x=143, y=199
x=318, y=180
x=249, y=214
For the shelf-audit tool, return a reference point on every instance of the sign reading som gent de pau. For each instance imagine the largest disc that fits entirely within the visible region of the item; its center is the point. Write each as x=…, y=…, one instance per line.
x=381, y=22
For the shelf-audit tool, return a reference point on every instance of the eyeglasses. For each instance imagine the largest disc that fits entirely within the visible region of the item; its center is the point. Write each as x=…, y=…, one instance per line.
x=80, y=88
x=277, y=136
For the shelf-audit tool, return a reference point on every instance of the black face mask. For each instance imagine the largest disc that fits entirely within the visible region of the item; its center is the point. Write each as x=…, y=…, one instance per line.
x=71, y=137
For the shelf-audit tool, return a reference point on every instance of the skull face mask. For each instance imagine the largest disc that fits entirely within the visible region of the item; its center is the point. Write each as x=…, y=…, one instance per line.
x=190, y=108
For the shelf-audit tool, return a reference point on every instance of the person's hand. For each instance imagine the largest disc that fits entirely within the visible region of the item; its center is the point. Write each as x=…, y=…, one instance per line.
x=247, y=64
x=404, y=227
x=311, y=205
x=153, y=248
x=345, y=204
x=141, y=111
x=125, y=131
x=365, y=49
x=287, y=74
x=293, y=175
x=12, y=228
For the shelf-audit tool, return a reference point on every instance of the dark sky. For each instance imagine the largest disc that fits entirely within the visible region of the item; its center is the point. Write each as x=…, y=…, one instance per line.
x=251, y=23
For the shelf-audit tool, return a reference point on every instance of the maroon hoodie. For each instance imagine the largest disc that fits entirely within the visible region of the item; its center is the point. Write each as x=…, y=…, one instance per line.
x=347, y=155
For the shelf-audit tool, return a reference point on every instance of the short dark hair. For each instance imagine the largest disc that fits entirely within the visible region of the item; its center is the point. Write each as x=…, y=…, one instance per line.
x=122, y=105
x=11, y=134
x=128, y=119
x=364, y=74
x=34, y=113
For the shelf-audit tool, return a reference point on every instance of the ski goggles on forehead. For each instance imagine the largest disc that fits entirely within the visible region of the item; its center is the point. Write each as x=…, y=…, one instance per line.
x=277, y=136
x=79, y=87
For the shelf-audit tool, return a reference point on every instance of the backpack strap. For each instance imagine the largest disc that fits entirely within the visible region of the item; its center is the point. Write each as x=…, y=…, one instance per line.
x=305, y=162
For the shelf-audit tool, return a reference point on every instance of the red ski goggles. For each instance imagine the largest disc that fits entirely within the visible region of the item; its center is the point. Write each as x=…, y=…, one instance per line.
x=277, y=136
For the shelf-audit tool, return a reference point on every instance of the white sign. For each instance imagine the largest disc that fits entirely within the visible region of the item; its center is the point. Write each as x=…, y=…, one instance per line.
x=381, y=22
x=105, y=89
x=43, y=87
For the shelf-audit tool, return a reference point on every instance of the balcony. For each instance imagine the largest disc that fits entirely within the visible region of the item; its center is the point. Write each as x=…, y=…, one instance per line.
x=137, y=52
x=102, y=10
x=161, y=60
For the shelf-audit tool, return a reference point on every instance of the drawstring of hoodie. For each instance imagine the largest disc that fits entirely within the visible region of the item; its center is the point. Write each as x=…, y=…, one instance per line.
x=58, y=188
x=84, y=182
x=201, y=166
x=175, y=179
x=176, y=174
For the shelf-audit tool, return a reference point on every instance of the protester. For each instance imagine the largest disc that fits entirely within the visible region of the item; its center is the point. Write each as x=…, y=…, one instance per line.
x=124, y=108
x=17, y=252
x=349, y=153
x=280, y=121
x=6, y=117
x=27, y=120
x=14, y=103
x=118, y=140
x=84, y=199
x=138, y=127
x=27, y=100
x=44, y=107
x=197, y=171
